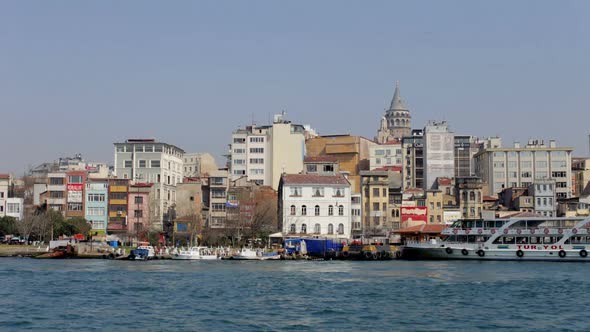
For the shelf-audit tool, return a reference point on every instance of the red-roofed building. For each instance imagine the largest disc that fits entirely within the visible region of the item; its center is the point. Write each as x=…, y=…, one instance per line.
x=420, y=233
x=315, y=205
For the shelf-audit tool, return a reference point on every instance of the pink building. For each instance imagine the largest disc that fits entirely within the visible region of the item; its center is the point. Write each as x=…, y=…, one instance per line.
x=138, y=217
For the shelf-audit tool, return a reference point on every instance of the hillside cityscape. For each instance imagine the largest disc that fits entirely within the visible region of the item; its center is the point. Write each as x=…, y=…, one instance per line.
x=284, y=180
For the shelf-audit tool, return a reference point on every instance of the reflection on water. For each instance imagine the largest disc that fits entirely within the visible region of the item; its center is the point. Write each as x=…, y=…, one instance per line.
x=290, y=295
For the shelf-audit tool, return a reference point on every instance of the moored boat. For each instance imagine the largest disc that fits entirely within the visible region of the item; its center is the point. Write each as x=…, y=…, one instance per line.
x=143, y=252
x=523, y=238
x=196, y=253
x=258, y=254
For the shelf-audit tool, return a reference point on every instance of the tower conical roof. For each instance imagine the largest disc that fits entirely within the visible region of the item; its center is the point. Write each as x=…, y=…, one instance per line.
x=396, y=102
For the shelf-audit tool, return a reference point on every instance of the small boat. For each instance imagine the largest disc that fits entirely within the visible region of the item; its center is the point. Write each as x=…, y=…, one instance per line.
x=196, y=253
x=255, y=255
x=142, y=253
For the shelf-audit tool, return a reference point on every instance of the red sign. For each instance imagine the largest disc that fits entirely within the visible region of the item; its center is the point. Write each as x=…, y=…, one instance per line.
x=414, y=213
x=75, y=187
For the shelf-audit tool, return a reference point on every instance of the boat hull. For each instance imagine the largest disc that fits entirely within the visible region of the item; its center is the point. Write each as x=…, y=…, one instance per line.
x=441, y=253
x=195, y=258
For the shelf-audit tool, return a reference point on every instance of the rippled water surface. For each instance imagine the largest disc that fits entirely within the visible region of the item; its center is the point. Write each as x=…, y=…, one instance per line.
x=292, y=295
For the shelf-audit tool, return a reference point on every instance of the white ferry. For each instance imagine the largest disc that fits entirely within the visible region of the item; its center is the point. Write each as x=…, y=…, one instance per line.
x=523, y=238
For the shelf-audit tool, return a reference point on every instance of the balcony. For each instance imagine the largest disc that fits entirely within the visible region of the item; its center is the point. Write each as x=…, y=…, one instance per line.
x=116, y=226
x=118, y=202
x=118, y=189
x=114, y=214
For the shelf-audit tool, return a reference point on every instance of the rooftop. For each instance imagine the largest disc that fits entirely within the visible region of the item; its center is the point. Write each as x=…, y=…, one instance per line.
x=320, y=159
x=424, y=229
x=5, y=176
x=314, y=179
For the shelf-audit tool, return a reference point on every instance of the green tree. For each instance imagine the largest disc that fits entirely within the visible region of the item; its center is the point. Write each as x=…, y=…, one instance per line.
x=69, y=227
x=8, y=225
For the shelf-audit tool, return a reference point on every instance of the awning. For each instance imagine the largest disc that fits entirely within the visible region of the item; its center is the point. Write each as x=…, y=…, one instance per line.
x=279, y=234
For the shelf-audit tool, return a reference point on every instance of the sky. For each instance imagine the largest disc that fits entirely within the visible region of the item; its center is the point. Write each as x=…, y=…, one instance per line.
x=76, y=76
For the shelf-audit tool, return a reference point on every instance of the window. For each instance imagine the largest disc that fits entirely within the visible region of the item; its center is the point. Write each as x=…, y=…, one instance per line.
x=96, y=211
x=239, y=172
x=317, y=210
x=138, y=199
x=75, y=179
x=378, y=161
x=256, y=139
x=149, y=148
x=339, y=192
x=56, y=194
x=295, y=191
x=218, y=193
x=303, y=210
x=96, y=197
x=471, y=196
x=341, y=210
x=312, y=168
x=330, y=229
x=558, y=164
x=128, y=163
x=375, y=192
x=379, y=152
x=525, y=164
x=239, y=151
x=256, y=160
x=330, y=210
x=340, y=228
x=292, y=228
x=499, y=165
x=239, y=161
x=218, y=206
x=293, y=210
x=328, y=168
x=143, y=163
x=74, y=206
x=239, y=140
x=558, y=174
x=541, y=164
x=155, y=164
x=256, y=150
x=512, y=164
x=318, y=192
x=316, y=229
x=12, y=207
x=158, y=148
x=303, y=228
x=56, y=181
x=138, y=213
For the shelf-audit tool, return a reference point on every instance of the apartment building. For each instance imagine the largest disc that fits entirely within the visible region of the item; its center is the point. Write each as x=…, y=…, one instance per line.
x=388, y=154
x=413, y=160
x=439, y=153
x=96, y=203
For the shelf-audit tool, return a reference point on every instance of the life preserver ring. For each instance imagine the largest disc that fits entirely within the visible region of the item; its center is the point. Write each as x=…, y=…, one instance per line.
x=467, y=231
x=575, y=230
x=546, y=231
x=481, y=253
x=560, y=231
x=368, y=255
x=562, y=253
x=455, y=231
x=532, y=231
x=398, y=254
x=583, y=253
x=465, y=252
x=376, y=256
x=479, y=231
x=449, y=250
x=493, y=231
x=345, y=254
x=518, y=231
x=505, y=230
x=519, y=253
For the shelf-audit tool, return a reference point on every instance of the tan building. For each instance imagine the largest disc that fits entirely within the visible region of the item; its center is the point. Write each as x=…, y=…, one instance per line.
x=581, y=174
x=351, y=152
x=375, y=200
x=217, y=184
x=434, y=202
x=196, y=164
x=470, y=196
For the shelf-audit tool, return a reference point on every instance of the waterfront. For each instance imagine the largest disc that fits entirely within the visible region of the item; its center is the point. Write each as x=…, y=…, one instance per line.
x=291, y=295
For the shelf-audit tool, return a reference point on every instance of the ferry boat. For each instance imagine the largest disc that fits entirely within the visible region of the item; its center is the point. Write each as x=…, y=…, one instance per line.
x=530, y=238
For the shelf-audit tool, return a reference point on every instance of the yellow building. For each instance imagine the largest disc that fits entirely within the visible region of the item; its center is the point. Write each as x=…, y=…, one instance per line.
x=351, y=152
x=375, y=202
x=435, y=203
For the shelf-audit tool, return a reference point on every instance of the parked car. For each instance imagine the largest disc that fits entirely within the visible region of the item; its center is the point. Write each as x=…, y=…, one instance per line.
x=17, y=240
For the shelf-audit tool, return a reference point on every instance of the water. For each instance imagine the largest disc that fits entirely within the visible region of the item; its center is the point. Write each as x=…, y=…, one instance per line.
x=292, y=295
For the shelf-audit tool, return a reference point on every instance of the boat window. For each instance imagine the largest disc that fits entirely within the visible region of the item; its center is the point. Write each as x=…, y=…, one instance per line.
x=535, y=240
x=508, y=239
x=471, y=238
x=461, y=238
x=577, y=240
x=522, y=240
x=499, y=223
x=479, y=224
x=519, y=224
x=489, y=224
x=481, y=239
x=551, y=239
x=498, y=240
x=456, y=224
x=468, y=224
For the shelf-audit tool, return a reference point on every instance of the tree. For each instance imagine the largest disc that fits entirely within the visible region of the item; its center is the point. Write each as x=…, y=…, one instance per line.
x=69, y=227
x=8, y=225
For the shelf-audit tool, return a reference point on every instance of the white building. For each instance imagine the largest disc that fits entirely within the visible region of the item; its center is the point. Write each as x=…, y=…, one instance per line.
x=15, y=208
x=520, y=166
x=263, y=153
x=4, y=184
x=544, y=198
x=439, y=153
x=315, y=205
x=148, y=161
x=388, y=154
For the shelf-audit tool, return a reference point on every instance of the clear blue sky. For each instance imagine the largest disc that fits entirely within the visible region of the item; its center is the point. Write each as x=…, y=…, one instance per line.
x=76, y=76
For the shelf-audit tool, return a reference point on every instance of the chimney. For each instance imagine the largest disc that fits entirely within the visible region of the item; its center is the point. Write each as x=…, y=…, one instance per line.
x=552, y=144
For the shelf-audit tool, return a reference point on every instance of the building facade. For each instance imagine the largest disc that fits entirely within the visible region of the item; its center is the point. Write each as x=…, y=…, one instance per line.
x=581, y=175
x=351, y=153
x=375, y=194
x=117, y=200
x=470, y=196
x=4, y=184
x=439, y=153
x=263, y=153
x=197, y=164
x=519, y=166
x=57, y=192
x=315, y=205
x=15, y=208
x=75, y=193
x=149, y=161
x=465, y=148
x=544, y=198
x=413, y=160
x=397, y=121
x=388, y=154
x=140, y=214
x=218, y=183
x=96, y=199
